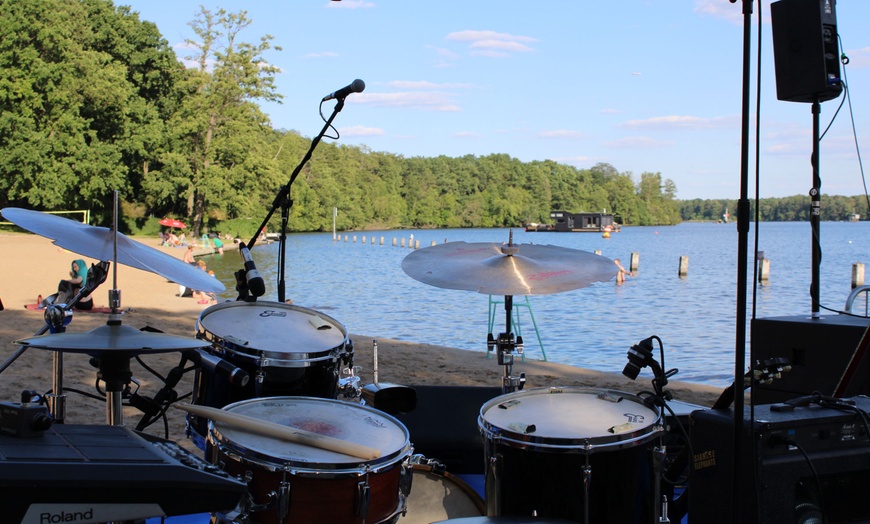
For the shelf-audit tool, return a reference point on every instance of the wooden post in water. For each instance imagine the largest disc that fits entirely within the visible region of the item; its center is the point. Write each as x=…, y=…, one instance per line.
x=764, y=270
x=403, y=241
x=598, y=252
x=394, y=241
x=417, y=244
x=433, y=243
x=354, y=239
x=857, y=274
x=382, y=240
x=684, y=266
x=634, y=262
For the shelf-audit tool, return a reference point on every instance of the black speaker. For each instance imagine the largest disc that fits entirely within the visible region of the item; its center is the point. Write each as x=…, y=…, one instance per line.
x=805, y=50
x=798, y=466
x=819, y=350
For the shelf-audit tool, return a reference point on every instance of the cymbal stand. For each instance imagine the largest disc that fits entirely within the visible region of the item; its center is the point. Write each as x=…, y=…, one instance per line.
x=504, y=345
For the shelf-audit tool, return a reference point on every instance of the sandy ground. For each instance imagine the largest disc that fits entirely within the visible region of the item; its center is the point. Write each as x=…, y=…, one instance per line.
x=32, y=265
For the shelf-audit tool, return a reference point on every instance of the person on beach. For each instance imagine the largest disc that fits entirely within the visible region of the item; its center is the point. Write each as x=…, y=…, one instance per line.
x=188, y=256
x=620, y=275
x=68, y=287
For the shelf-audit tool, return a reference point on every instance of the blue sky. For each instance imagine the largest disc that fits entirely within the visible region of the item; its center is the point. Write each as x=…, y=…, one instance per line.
x=644, y=85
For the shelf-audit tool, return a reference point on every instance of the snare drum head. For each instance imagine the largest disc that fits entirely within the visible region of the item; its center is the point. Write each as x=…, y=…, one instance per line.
x=569, y=416
x=270, y=327
x=342, y=420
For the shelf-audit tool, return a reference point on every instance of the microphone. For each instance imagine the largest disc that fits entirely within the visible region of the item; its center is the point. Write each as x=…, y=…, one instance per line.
x=356, y=86
x=256, y=285
x=235, y=376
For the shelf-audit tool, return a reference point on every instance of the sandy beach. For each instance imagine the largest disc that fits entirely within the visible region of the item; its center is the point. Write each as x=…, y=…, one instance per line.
x=33, y=266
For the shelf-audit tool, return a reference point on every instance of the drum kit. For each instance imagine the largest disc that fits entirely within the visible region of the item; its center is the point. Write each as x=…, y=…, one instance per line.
x=553, y=454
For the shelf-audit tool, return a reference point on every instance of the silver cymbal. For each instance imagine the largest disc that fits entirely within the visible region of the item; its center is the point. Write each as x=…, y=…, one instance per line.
x=98, y=242
x=113, y=337
x=507, y=269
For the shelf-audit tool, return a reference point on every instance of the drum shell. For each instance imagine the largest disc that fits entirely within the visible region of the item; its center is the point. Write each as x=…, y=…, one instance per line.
x=318, y=491
x=530, y=474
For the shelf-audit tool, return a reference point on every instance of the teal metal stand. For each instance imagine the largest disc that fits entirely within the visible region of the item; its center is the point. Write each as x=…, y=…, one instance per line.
x=515, y=313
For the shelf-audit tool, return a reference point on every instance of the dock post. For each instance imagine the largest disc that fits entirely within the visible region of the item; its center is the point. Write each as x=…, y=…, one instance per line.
x=857, y=274
x=684, y=266
x=598, y=252
x=634, y=262
x=764, y=270
x=394, y=241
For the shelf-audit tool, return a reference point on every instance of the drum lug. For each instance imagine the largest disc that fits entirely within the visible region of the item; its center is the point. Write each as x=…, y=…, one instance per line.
x=363, y=497
x=282, y=501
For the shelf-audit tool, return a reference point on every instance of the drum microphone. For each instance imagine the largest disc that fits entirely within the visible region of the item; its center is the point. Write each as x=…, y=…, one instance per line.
x=235, y=376
x=356, y=86
x=256, y=285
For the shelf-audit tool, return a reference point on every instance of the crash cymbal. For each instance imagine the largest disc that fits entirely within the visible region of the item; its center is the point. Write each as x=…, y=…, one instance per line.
x=98, y=242
x=113, y=337
x=507, y=269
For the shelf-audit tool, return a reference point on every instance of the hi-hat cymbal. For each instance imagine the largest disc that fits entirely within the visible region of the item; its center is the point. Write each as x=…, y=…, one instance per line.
x=507, y=269
x=98, y=242
x=113, y=337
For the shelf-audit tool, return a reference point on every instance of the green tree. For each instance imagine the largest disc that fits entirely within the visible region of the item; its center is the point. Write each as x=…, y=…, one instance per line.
x=214, y=131
x=81, y=91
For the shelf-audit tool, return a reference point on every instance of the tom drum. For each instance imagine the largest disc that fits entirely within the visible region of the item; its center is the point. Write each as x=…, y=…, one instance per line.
x=285, y=350
x=574, y=453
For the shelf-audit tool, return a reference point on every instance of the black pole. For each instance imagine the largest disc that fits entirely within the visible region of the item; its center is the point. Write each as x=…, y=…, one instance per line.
x=815, y=212
x=742, y=259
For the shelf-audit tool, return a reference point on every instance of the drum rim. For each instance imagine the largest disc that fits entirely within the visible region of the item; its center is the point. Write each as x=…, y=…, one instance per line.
x=585, y=445
x=361, y=466
x=271, y=358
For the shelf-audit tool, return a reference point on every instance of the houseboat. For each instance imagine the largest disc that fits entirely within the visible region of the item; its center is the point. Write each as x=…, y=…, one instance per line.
x=583, y=222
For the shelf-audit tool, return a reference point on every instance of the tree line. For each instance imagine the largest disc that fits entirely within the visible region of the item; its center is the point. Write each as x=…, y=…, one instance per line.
x=786, y=209
x=94, y=100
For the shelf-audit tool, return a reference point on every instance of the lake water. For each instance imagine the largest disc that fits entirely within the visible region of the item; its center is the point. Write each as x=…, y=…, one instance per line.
x=363, y=287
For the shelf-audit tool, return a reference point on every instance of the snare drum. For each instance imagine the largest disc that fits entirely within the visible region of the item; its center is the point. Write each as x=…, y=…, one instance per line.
x=285, y=349
x=290, y=482
x=577, y=453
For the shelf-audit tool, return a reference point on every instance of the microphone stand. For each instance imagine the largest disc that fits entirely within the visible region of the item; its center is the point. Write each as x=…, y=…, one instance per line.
x=283, y=201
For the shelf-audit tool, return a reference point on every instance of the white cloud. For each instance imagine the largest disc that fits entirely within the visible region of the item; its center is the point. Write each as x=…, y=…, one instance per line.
x=466, y=134
x=859, y=58
x=425, y=84
x=424, y=100
x=492, y=43
x=683, y=122
x=350, y=4
x=353, y=131
x=635, y=142
x=322, y=54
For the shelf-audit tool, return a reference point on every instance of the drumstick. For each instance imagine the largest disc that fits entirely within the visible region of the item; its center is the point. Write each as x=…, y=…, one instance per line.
x=279, y=431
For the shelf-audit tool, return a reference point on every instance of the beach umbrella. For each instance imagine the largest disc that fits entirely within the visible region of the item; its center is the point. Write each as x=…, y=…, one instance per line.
x=172, y=222
x=98, y=242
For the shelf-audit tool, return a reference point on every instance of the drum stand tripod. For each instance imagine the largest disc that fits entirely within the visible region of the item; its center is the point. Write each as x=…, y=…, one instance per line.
x=505, y=345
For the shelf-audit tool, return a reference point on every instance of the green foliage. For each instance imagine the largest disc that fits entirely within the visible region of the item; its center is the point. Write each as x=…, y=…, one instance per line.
x=793, y=208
